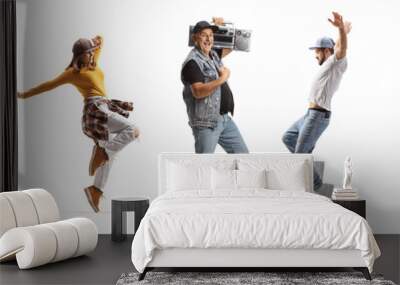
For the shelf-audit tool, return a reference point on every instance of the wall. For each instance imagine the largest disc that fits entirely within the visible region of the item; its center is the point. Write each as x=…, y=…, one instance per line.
x=145, y=44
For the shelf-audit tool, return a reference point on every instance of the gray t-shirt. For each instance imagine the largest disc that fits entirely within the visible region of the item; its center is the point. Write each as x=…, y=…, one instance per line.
x=327, y=81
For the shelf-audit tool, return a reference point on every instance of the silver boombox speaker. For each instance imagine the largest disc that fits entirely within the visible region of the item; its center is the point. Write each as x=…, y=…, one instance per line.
x=228, y=37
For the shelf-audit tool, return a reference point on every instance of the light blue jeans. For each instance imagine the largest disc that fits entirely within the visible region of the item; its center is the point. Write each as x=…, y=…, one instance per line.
x=226, y=134
x=302, y=136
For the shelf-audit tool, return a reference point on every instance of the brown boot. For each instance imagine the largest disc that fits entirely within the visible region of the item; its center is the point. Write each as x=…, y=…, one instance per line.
x=93, y=195
x=99, y=158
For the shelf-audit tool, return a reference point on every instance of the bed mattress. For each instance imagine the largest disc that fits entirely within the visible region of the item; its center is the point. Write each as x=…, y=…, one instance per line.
x=250, y=219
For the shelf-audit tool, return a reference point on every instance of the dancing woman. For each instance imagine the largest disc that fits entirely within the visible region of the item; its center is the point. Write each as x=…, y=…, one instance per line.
x=103, y=120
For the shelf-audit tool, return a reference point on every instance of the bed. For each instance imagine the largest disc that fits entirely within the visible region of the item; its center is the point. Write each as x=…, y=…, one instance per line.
x=246, y=211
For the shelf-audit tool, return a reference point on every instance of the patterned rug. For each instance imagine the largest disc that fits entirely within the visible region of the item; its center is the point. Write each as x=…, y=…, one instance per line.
x=244, y=278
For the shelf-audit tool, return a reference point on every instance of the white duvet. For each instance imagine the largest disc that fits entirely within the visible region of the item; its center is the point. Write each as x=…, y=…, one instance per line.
x=250, y=219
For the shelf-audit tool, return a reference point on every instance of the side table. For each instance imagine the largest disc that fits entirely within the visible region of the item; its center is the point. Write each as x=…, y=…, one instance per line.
x=357, y=206
x=119, y=207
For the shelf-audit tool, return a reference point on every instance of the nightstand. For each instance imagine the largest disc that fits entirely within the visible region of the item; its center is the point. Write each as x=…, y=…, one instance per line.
x=119, y=207
x=357, y=206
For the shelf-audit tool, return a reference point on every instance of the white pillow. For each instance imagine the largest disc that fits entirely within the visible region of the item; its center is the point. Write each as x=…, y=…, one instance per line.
x=188, y=177
x=288, y=177
x=251, y=178
x=227, y=179
x=282, y=174
x=223, y=179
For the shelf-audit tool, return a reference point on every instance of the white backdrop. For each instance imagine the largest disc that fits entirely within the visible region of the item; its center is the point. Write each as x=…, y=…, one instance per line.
x=145, y=44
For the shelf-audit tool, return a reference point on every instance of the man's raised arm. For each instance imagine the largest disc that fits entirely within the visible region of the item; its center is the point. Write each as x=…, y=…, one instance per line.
x=220, y=22
x=344, y=29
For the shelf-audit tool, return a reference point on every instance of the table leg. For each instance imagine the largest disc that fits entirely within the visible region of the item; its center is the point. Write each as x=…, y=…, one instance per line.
x=118, y=222
x=140, y=211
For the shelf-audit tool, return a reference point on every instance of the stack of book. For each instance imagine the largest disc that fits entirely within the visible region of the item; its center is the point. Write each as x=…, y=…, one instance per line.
x=344, y=194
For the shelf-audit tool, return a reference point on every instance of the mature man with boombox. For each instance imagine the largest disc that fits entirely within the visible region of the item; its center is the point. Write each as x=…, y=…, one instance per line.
x=207, y=95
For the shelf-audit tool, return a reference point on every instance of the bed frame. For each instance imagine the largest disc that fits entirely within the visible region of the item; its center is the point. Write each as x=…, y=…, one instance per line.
x=248, y=259
x=261, y=259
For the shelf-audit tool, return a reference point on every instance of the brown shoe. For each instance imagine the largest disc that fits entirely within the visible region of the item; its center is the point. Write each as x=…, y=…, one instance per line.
x=93, y=195
x=99, y=158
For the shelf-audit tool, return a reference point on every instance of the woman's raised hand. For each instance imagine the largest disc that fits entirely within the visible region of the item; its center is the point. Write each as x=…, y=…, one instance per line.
x=97, y=40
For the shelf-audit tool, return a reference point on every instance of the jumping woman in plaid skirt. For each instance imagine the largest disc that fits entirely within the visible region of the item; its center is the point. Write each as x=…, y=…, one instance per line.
x=103, y=120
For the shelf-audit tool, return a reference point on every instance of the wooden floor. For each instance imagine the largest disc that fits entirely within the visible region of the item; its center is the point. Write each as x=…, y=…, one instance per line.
x=111, y=259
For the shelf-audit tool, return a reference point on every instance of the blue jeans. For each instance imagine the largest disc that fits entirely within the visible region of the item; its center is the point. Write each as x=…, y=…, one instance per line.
x=302, y=136
x=226, y=134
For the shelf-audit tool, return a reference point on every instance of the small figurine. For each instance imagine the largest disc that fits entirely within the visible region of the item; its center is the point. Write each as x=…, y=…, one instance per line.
x=348, y=173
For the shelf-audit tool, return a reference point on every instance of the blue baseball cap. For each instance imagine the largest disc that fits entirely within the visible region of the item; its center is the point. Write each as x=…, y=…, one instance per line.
x=324, y=42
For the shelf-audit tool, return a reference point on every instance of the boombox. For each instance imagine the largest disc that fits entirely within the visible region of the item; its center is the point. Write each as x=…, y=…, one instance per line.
x=228, y=37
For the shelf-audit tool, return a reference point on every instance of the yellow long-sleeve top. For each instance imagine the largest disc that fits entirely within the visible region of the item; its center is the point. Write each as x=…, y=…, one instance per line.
x=88, y=82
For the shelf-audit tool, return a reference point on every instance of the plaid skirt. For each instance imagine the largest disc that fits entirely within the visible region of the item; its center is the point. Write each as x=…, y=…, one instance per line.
x=94, y=120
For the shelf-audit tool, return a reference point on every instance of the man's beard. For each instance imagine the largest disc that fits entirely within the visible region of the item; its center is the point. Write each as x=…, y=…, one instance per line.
x=322, y=60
